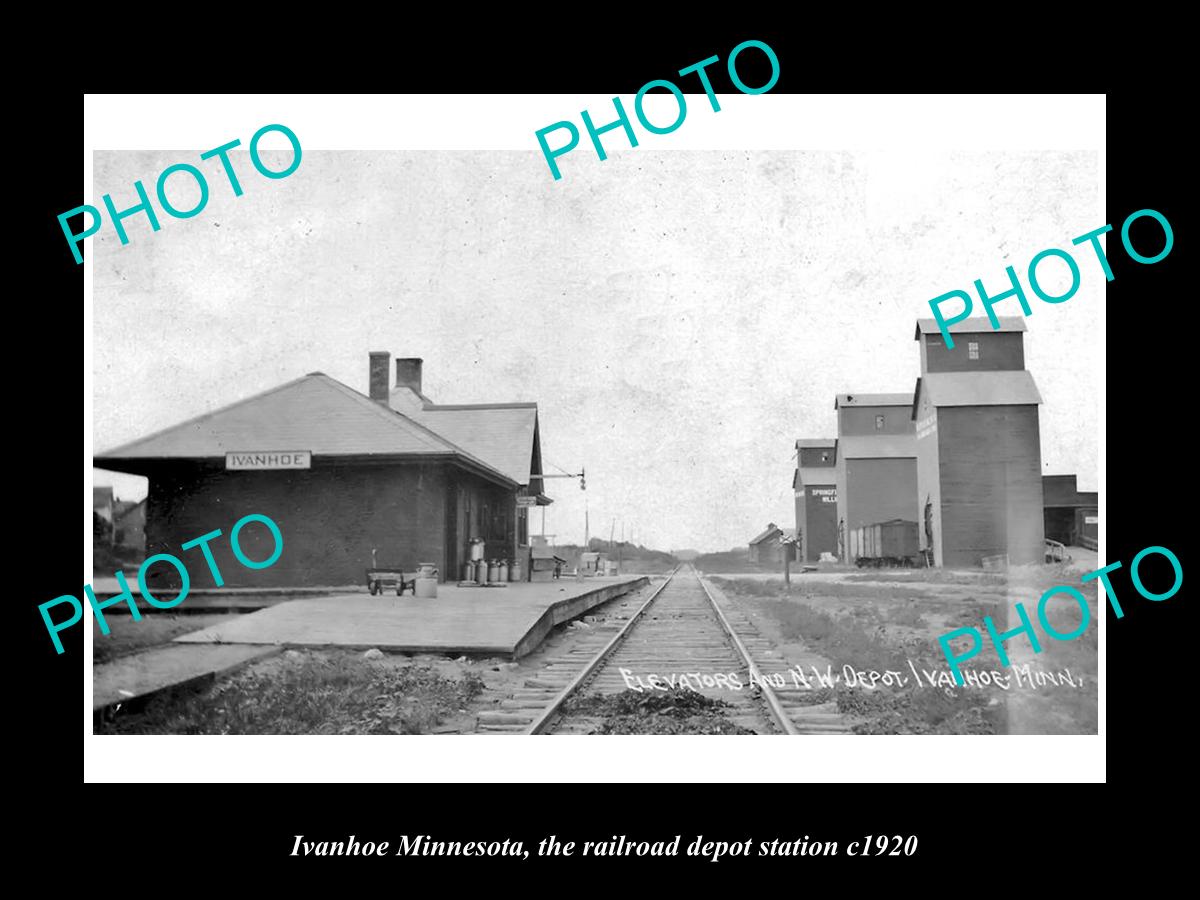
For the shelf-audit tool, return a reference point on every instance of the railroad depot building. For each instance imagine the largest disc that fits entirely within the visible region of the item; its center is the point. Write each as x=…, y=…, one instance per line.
x=1070, y=516
x=979, y=466
x=815, y=486
x=342, y=474
x=875, y=463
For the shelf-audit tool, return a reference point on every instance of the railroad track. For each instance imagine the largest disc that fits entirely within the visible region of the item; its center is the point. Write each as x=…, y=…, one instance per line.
x=684, y=628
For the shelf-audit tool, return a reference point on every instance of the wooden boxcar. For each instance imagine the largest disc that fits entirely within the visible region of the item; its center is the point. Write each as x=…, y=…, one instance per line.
x=891, y=543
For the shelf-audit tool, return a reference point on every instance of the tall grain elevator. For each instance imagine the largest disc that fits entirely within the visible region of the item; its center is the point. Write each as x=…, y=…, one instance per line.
x=815, y=487
x=876, y=462
x=979, y=462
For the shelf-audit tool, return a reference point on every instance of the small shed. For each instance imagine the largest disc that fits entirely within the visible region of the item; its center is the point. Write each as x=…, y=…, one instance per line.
x=1070, y=516
x=545, y=564
x=591, y=562
x=769, y=547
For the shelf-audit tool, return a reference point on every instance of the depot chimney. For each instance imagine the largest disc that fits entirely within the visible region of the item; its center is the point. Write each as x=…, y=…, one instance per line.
x=378, y=375
x=408, y=374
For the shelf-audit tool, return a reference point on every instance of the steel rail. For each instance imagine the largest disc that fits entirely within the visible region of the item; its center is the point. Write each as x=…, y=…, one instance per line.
x=539, y=724
x=756, y=676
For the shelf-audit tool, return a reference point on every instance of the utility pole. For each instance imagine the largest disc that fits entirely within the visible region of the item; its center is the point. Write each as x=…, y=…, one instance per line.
x=541, y=477
x=790, y=547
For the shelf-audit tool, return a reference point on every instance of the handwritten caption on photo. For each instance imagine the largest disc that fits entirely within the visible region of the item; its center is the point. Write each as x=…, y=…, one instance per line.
x=870, y=679
x=126, y=596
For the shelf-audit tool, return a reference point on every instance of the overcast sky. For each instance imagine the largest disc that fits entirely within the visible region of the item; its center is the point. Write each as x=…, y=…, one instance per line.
x=681, y=317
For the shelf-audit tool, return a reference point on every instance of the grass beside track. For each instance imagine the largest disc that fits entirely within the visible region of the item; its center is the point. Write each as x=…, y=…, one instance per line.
x=892, y=623
x=313, y=692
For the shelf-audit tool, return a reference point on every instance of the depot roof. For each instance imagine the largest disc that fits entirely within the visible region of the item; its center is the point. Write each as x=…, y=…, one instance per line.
x=501, y=433
x=314, y=413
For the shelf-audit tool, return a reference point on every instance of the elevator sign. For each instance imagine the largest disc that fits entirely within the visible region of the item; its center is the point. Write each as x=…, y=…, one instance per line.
x=273, y=459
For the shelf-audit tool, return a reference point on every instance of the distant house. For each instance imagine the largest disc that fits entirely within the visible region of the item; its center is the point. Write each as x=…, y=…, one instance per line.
x=769, y=547
x=102, y=502
x=129, y=524
x=102, y=512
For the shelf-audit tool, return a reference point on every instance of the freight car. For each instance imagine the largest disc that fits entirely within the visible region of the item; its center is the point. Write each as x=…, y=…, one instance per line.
x=891, y=543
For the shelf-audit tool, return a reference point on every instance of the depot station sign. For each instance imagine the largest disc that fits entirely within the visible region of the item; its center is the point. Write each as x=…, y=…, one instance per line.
x=274, y=459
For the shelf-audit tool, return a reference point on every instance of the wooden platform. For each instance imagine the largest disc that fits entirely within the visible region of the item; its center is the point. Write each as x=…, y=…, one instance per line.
x=475, y=621
x=154, y=670
x=205, y=600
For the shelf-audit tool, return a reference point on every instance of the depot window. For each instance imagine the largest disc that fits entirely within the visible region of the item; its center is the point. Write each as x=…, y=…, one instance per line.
x=879, y=423
x=973, y=350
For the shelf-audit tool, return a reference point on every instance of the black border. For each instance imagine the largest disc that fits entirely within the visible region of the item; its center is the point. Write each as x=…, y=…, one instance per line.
x=1145, y=503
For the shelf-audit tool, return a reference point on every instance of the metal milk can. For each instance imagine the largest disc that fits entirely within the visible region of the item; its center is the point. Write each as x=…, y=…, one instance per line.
x=427, y=579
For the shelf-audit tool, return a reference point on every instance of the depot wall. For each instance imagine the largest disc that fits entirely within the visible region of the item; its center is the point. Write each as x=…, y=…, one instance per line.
x=330, y=516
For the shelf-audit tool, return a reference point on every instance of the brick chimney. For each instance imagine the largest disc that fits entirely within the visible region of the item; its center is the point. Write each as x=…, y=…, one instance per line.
x=378, y=375
x=408, y=374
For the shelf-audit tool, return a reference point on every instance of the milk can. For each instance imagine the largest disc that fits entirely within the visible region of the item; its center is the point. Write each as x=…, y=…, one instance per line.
x=468, y=571
x=514, y=571
x=481, y=571
x=502, y=576
x=493, y=571
x=427, y=579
